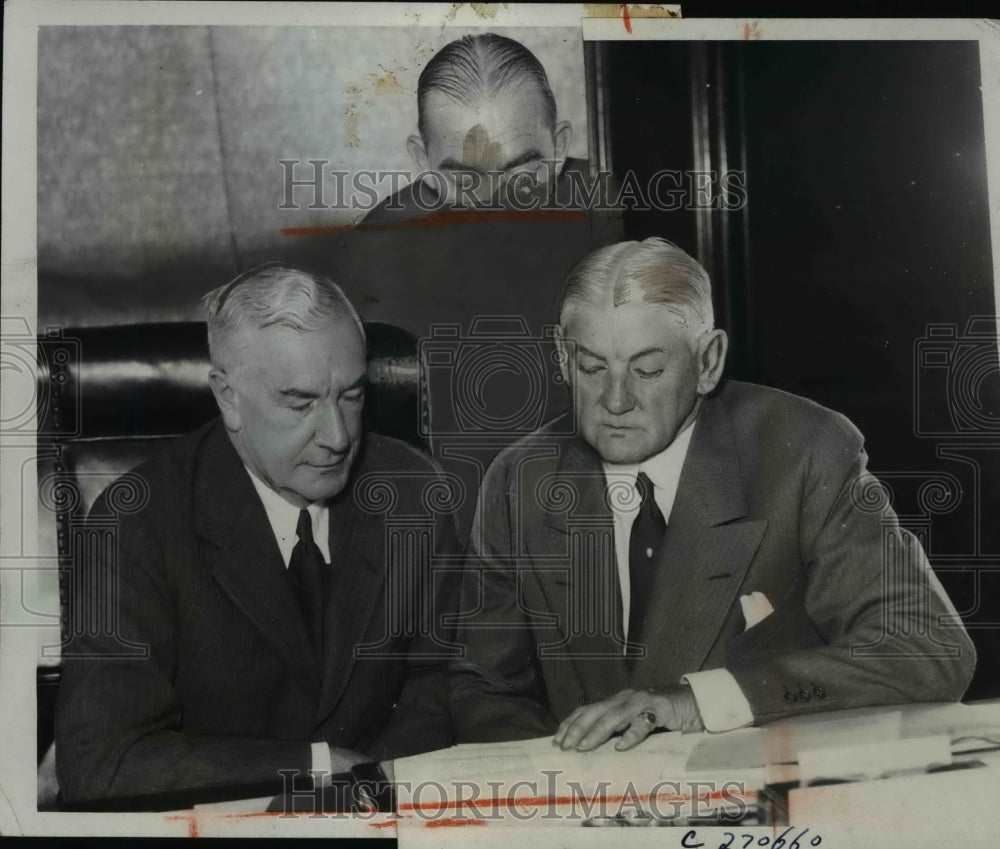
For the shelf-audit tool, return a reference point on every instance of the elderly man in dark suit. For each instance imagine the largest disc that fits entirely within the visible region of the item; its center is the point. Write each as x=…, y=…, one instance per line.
x=263, y=620
x=697, y=554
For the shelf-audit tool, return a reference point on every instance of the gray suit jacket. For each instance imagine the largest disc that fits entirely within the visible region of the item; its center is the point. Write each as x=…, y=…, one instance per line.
x=774, y=497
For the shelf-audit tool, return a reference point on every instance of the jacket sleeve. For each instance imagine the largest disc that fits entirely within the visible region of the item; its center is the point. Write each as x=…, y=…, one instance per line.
x=420, y=721
x=887, y=631
x=496, y=685
x=118, y=713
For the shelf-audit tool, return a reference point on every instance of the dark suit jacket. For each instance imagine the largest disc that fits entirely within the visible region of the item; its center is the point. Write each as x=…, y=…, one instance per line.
x=208, y=678
x=773, y=497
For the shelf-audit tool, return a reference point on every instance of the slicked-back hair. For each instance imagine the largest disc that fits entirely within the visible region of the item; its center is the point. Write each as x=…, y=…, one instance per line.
x=476, y=69
x=652, y=271
x=272, y=294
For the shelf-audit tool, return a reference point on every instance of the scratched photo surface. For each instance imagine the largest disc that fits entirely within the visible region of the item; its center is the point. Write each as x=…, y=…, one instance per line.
x=835, y=190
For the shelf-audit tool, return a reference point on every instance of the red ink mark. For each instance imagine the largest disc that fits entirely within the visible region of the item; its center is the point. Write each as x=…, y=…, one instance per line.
x=440, y=823
x=750, y=31
x=546, y=801
x=192, y=821
x=388, y=824
x=445, y=219
x=626, y=19
x=250, y=814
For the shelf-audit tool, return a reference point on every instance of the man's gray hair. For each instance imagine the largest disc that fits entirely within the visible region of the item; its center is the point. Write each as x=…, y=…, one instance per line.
x=478, y=68
x=271, y=294
x=654, y=271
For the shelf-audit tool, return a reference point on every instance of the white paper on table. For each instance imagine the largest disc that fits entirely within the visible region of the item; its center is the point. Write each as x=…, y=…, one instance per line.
x=874, y=760
x=784, y=740
x=533, y=783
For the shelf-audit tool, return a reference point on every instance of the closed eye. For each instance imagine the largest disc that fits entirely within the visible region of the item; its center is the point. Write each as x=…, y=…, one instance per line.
x=649, y=374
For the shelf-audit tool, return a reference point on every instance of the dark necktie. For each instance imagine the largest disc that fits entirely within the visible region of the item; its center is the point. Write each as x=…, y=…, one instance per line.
x=644, y=544
x=307, y=569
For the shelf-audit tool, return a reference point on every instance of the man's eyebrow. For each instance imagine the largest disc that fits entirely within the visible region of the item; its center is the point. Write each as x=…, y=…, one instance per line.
x=530, y=155
x=582, y=349
x=450, y=164
x=636, y=356
x=645, y=352
x=361, y=382
x=297, y=393
x=307, y=394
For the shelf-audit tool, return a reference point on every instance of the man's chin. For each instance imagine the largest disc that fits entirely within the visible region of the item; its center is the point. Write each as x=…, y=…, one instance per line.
x=622, y=450
x=325, y=483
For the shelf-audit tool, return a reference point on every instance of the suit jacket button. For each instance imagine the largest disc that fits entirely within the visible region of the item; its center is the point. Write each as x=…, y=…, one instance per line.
x=790, y=696
x=819, y=692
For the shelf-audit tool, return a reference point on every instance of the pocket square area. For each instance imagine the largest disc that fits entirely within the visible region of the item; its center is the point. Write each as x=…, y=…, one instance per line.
x=756, y=608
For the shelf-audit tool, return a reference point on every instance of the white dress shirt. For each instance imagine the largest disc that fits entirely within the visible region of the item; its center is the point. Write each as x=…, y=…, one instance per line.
x=720, y=700
x=284, y=519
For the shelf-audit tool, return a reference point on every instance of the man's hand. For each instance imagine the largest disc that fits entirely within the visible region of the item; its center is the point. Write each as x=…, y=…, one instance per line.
x=634, y=712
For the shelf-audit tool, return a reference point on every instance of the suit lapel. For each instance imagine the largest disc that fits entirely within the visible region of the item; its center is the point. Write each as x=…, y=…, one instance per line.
x=359, y=565
x=587, y=601
x=243, y=554
x=705, y=555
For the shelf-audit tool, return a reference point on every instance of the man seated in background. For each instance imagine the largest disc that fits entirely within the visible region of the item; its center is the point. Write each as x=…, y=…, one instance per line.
x=699, y=554
x=488, y=134
x=262, y=622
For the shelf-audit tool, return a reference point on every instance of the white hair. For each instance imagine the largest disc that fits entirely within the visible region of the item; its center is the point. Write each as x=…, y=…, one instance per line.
x=272, y=294
x=652, y=271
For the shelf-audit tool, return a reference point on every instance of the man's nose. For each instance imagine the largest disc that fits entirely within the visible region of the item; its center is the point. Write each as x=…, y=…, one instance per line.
x=617, y=397
x=331, y=428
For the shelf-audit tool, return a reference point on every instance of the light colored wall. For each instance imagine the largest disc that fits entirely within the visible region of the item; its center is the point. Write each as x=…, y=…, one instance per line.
x=158, y=147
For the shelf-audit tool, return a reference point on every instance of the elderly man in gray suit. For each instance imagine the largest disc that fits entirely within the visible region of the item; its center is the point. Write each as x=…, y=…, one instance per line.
x=698, y=553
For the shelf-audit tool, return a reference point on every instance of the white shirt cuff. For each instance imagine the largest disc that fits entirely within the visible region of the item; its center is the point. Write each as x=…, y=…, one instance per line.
x=322, y=763
x=720, y=700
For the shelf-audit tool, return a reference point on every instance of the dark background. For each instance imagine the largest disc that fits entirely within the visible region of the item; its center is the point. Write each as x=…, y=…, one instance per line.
x=867, y=222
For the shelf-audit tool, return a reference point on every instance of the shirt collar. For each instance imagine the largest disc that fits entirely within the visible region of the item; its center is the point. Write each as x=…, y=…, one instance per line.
x=284, y=519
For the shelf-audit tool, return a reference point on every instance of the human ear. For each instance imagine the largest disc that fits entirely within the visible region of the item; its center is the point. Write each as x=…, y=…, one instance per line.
x=225, y=397
x=418, y=152
x=563, y=350
x=712, y=348
x=562, y=137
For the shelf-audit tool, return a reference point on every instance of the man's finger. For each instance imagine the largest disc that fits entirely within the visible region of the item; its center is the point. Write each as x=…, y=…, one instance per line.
x=568, y=723
x=613, y=720
x=563, y=726
x=582, y=725
x=638, y=730
x=582, y=719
